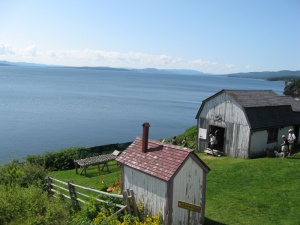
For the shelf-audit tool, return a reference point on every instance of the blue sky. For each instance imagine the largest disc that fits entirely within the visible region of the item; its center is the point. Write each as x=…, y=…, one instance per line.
x=212, y=36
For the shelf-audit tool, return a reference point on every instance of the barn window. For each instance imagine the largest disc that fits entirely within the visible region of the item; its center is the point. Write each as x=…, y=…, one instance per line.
x=272, y=135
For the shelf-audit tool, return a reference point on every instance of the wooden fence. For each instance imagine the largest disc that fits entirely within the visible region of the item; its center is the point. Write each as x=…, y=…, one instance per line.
x=70, y=191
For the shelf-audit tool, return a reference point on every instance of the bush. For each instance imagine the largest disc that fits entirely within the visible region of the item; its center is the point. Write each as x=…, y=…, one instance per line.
x=293, y=88
x=22, y=174
x=94, y=212
x=58, y=160
x=30, y=205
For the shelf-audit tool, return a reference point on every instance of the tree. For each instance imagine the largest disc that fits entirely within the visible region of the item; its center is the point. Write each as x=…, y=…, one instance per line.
x=293, y=88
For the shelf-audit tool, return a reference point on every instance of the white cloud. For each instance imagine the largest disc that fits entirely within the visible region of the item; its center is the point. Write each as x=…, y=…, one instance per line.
x=228, y=65
x=30, y=51
x=51, y=54
x=210, y=66
x=6, y=49
x=90, y=57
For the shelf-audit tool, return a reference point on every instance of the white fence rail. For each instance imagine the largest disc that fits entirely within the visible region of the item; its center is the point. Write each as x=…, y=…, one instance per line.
x=70, y=191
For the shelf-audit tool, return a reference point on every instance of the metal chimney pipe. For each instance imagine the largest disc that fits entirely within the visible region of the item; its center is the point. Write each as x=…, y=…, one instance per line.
x=145, y=137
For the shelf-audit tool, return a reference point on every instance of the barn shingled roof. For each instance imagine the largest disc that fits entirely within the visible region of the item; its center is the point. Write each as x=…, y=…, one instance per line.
x=162, y=160
x=269, y=116
x=256, y=98
x=294, y=103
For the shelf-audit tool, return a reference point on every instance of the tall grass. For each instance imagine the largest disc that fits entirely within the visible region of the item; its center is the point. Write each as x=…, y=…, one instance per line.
x=31, y=205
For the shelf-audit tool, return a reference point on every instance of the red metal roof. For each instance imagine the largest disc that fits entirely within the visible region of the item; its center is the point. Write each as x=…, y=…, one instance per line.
x=161, y=160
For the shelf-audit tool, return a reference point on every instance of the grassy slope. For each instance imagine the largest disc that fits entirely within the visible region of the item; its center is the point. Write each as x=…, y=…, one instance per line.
x=239, y=191
x=253, y=191
x=94, y=178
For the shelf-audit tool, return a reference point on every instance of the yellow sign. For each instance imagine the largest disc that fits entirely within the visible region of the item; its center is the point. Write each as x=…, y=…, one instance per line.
x=189, y=206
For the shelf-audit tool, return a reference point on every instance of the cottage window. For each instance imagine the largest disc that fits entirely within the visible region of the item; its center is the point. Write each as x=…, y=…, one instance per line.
x=272, y=135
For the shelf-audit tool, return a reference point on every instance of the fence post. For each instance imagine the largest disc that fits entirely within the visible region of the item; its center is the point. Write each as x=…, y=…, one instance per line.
x=135, y=212
x=130, y=202
x=73, y=195
x=49, y=186
x=126, y=200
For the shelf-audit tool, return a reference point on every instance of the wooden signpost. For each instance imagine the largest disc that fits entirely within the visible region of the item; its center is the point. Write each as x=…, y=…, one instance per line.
x=189, y=207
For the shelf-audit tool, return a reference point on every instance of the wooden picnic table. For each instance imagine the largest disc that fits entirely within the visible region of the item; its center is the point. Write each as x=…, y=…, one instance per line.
x=95, y=160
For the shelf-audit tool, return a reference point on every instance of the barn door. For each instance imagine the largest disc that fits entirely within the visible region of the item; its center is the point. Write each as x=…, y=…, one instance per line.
x=219, y=133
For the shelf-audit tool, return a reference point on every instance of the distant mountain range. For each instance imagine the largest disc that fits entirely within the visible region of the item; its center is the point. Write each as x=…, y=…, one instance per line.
x=268, y=75
x=146, y=70
x=168, y=71
x=279, y=75
x=6, y=63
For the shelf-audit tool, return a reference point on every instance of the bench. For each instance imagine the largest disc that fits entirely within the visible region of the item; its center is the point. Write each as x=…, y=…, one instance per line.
x=95, y=160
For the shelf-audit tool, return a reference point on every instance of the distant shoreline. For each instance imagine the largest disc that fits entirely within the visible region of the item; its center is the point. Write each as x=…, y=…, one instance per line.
x=283, y=75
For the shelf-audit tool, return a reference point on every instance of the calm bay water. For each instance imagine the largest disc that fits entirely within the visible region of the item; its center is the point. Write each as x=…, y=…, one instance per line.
x=47, y=109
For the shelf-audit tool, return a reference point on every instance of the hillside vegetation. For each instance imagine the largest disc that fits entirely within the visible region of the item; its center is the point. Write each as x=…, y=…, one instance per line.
x=239, y=191
x=293, y=89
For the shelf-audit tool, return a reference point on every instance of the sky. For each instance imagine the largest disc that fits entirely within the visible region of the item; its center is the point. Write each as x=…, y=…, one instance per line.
x=210, y=36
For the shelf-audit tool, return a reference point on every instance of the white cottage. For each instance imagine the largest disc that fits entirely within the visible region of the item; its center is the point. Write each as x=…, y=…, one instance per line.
x=246, y=123
x=161, y=174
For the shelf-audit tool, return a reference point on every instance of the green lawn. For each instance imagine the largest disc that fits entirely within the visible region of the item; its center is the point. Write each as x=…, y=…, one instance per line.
x=239, y=191
x=94, y=178
x=253, y=191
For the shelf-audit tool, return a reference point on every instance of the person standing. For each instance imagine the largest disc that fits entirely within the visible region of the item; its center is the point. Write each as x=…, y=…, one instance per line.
x=291, y=140
x=284, y=146
x=212, y=141
x=184, y=142
x=174, y=140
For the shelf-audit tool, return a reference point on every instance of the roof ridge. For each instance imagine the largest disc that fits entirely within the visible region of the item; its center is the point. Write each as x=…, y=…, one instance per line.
x=161, y=159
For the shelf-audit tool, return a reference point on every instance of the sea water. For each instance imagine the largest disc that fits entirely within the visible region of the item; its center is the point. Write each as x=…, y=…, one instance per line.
x=44, y=109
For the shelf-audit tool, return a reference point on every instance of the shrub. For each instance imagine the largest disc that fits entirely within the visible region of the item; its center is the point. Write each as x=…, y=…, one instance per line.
x=59, y=160
x=127, y=220
x=30, y=205
x=94, y=212
x=22, y=174
x=293, y=88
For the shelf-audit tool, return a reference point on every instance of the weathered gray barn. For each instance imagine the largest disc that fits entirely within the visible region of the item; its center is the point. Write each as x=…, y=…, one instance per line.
x=161, y=174
x=246, y=123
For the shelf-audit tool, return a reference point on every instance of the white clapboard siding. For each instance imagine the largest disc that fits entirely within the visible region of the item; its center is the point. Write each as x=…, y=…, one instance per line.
x=226, y=108
x=150, y=190
x=188, y=187
x=234, y=121
x=240, y=141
